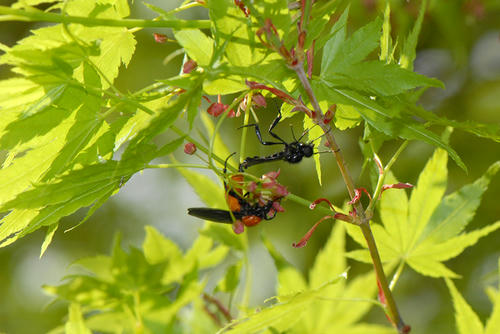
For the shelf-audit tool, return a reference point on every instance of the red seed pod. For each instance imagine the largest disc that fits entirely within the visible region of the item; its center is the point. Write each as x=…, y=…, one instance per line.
x=216, y=108
x=189, y=66
x=160, y=38
x=189, y=148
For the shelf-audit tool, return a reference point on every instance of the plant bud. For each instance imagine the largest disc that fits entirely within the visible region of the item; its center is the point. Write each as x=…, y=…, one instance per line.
x=190, y=148
x=160, y=38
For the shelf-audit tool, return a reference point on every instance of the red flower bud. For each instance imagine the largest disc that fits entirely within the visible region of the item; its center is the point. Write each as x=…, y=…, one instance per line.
x=251, y=187
x=238, y=227
x=189, y=148
x=272, y=175
x=277, y=206
x=216, y=108
x=189, y=66
x=259, y=100
x=160, y=38
x=280, y=190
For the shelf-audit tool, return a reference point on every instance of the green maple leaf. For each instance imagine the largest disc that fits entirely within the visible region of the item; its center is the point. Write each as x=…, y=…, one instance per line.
x=144, y=280
x=467, y=321
x=324, y=303
x=427, y=229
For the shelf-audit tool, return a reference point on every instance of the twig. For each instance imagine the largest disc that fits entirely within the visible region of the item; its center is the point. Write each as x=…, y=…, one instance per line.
x=362, y=219
x=38, y=15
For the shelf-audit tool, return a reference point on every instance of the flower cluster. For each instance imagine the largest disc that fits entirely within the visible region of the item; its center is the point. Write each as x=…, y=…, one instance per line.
x=256, y=200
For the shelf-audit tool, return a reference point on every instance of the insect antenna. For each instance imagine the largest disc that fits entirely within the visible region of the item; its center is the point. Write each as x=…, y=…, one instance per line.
x=324, y=134
x=305, y=132
x=293, y=133
x=327, y=151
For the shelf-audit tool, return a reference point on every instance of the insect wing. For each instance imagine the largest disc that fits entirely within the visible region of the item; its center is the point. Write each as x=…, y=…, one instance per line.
x=215, y=215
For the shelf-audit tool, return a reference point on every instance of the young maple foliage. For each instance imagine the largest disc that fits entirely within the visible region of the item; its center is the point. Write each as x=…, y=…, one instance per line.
x=306, y=304
x=73, y=139
x=467, y=321
x=161, y=278
x=426, y=229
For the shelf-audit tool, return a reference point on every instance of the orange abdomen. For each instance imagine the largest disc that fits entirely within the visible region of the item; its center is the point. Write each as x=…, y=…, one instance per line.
x=250, y=220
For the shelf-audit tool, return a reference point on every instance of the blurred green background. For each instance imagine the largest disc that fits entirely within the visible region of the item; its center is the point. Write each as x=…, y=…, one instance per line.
x=459, y=44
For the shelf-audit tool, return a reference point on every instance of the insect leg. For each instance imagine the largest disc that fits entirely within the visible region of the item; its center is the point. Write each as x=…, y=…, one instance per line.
x=259, y=136
x=273, y=125
x=251, y=161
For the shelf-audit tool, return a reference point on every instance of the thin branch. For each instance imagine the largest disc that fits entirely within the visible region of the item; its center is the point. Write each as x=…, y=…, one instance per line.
x=38, y=15
x=244, y=130
x=397, y=275
x=362, y=219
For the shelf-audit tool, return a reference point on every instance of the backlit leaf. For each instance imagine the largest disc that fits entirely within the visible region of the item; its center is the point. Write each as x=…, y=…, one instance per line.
x=412, y=233
x=409, y=50
x=197, y=45
x=466, y=319
x=381, y=79
x=427, y=194
x=354, y=49
x=75, y=323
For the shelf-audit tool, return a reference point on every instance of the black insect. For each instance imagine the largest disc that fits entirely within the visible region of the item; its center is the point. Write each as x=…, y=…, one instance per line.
x=292, y=152
x=250, y=214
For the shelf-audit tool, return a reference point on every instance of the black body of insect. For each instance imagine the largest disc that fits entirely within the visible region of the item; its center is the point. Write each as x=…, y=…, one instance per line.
x=292, y=152
x=242, y=209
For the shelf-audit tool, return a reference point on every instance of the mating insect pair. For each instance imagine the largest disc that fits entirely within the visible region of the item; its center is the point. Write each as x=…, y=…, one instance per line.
x=260, y=201
x=249, y=212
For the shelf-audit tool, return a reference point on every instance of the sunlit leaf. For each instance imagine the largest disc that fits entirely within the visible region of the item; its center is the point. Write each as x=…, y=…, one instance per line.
x=75, y=323
x=417, y=231
x=409, y=49
x=378, y=78
x=456, y=210
x=426, y=195
x=159, y=249
x=466, y=319
x=353, y=50
x=280, y=316
x=197, y=45
x=385, y=38
x=239, y=37
x=48, y=238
